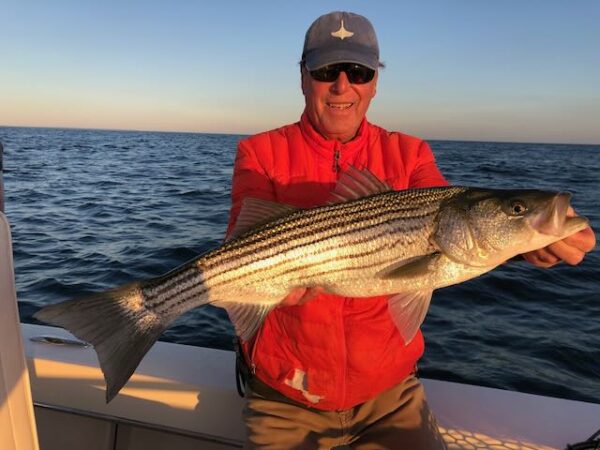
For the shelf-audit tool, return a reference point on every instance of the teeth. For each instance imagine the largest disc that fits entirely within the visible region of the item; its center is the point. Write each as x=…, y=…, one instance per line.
x=339, y=105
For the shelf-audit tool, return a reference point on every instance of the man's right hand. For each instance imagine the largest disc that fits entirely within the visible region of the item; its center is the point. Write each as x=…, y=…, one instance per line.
x=299, y=296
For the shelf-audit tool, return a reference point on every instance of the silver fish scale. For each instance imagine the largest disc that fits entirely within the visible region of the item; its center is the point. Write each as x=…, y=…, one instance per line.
x=171, y=292
x=341, y=243
x=326, y=245
x=401, y=204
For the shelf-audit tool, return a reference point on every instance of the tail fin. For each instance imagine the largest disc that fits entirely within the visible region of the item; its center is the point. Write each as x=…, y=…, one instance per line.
x=116, y=323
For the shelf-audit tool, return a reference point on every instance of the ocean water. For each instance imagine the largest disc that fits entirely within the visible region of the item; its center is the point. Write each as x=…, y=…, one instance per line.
x=91, y=210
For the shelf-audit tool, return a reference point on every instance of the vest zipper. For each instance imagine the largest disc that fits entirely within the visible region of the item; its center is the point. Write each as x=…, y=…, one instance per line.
x=252, y=365
x=344, y=355
x=336, y=159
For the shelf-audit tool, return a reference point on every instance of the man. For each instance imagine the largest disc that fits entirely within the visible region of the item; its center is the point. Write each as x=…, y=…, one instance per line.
x=335, y=371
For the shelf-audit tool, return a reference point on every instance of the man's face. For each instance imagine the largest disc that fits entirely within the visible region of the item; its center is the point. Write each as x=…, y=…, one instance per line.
x=336, y=109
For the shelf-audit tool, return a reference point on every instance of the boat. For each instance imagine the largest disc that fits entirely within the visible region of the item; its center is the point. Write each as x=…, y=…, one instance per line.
x=52, y=397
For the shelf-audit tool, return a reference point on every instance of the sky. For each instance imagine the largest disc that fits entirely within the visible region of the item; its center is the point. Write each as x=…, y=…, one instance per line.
x=503, y=70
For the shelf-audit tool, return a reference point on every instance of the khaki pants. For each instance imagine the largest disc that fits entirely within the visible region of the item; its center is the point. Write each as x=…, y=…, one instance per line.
x=399, y=418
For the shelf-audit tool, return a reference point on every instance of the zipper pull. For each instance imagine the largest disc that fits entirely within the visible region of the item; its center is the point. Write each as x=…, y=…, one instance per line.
x=336, y=160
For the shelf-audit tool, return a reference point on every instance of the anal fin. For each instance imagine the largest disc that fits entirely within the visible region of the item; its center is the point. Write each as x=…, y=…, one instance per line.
x=246, y=317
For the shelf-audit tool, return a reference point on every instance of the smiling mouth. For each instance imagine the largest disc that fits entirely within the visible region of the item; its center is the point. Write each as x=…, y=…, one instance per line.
x=340, y=106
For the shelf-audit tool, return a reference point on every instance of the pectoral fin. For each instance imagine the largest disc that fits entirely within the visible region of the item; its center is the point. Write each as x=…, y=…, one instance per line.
x=246, y=317
x=408, y=311
x=410, y=268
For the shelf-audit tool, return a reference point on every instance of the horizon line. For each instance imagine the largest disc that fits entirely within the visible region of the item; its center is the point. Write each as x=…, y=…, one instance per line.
x=133, y=130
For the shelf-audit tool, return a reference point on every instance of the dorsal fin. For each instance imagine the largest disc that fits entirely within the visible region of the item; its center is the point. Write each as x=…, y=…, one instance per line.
x=354, y=184
x=256, y=211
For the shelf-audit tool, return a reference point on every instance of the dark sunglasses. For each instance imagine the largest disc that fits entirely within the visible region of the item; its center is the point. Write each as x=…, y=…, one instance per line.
x=356, y=73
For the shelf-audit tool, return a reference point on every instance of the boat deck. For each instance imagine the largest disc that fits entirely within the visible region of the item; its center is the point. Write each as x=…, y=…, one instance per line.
x=183, y=397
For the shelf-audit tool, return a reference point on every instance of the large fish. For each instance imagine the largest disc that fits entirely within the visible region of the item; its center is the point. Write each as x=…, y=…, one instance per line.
x=372, y=241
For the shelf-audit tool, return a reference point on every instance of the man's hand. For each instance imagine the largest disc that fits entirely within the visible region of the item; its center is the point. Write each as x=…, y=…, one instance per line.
x=299, y=296
x=571, y=249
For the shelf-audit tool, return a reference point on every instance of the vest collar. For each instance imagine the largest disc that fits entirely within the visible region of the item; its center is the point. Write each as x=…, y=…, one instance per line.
x=327, y=147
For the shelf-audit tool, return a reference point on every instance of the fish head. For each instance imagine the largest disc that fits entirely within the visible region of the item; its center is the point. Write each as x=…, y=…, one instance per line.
x=485, y=227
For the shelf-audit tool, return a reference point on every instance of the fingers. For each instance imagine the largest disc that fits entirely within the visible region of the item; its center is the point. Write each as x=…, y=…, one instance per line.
x=585, y=240
x=571, y=250
x=299, y=296
x=309, y=294
x=564, y=251
x=541, y=258
x=294, y=297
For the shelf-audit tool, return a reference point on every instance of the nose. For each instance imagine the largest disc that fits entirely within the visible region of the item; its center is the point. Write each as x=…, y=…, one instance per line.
x=341, y=84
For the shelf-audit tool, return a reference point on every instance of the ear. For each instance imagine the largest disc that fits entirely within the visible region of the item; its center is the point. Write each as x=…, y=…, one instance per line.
x=375, y=83
x=302, y=78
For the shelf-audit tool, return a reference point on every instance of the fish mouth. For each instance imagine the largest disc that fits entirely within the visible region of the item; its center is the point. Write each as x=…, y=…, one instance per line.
x=551, y=220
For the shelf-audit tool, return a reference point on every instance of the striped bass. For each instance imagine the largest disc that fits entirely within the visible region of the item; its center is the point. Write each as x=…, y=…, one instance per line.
x=372, y=241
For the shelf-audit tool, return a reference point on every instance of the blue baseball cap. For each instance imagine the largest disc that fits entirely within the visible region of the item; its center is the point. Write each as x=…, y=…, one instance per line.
x=340, y=37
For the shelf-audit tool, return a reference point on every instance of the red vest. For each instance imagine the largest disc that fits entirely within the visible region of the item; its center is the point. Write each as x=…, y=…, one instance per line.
x=331, y=353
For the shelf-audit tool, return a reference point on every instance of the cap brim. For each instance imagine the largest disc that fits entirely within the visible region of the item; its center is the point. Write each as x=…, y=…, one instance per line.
x=323, y=57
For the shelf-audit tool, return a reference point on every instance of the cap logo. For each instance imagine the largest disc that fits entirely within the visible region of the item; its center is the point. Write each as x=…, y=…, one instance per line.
x=342, y=33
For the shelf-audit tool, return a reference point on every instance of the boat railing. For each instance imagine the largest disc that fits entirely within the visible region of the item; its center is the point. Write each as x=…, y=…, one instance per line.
x=17, y=421
x=1, y=182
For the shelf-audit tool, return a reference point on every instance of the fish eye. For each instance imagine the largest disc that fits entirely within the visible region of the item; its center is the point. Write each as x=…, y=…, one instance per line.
x=518, y=207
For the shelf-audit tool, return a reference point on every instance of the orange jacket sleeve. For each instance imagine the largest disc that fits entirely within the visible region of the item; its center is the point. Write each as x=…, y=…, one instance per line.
x=426, y=172
x=249, y=180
